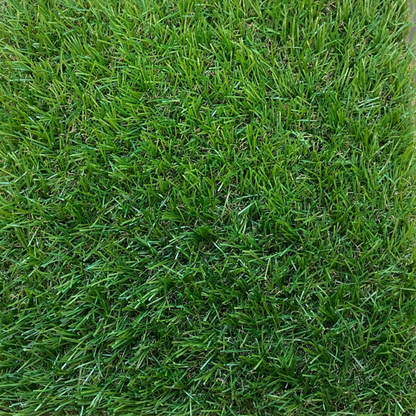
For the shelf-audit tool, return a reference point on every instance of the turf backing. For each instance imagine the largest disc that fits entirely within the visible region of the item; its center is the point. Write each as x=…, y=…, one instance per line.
x=207, y=208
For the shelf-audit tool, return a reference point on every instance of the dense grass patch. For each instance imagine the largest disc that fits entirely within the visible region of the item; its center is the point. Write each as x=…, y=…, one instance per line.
x=206, y=208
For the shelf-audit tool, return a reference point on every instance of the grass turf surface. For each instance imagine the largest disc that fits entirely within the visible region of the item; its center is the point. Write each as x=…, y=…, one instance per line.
x=206, y=208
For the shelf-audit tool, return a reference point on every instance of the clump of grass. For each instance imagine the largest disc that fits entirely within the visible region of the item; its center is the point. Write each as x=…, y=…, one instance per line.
x=206, y=208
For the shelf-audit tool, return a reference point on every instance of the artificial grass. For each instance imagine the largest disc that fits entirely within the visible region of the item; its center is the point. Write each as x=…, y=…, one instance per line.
x=206, y=208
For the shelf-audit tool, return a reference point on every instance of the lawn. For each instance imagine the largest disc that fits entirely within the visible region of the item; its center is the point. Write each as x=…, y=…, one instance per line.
x=207, y=208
